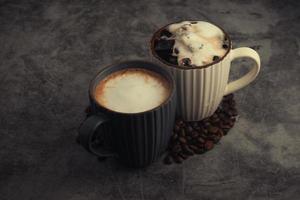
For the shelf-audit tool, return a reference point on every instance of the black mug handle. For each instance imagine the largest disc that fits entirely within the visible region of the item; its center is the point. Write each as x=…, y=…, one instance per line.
x=87, y=132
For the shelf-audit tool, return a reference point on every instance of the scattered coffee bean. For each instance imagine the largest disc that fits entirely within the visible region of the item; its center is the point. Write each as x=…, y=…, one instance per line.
x=189, y=129
x=177, y=159
x=191, y=138
x=215, y=138
x=224, y=126
x=201, y=140
x=182, y=133
x=183, y=156
x=180, y=123
x=233, y=112
x=182, y=140
x=192, y=147
x=206, y=124
x=176, y=128
x=187, y=150
x=212, y=130
x=194, y=134
x=176, y=148
x=199, y=151
x=216, y=58
x=174, y=137
x=209, y=145
x=225, y=46
x=220, y=133
x=194, y=125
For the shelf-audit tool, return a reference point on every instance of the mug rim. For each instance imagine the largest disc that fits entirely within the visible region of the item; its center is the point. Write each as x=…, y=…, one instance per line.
x=167, y=75
x=156, y=33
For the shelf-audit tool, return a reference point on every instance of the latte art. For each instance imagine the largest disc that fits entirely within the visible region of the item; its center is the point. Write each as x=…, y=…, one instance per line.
x=132, y=90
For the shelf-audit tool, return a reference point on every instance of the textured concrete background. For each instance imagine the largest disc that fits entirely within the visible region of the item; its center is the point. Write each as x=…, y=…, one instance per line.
x=51, y=49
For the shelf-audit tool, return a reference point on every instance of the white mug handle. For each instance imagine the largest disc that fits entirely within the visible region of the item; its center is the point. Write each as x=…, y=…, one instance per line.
x=250, y=76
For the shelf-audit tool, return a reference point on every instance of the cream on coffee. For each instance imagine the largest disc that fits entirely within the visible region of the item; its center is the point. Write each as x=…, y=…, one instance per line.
x=200, y=42
x=132, y=90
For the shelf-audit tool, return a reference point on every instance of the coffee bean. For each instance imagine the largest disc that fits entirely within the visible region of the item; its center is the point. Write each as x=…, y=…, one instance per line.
x=193, y=141
x=222, y=116
x=187, y=150
x=215, y=121
x=183, y=156
x=168, y=160
x=182, y=140
x=176, y=51
x=205, y=132
x=189, y=138
x=185, y=62
x=165, y=33
x=224, y=126
x=198, y=128
x=189, y=129
x=209, y=145
x=220, y=133
x=232, y=103
x=192, y=147
x=201, y=140
x=231, y=123
x=199, y=151
x=177, y=159
x=213, y=129
x=194, y=125
x=214, y=116
x=180, y=123
x=194, y=22
x=182, y=133
x=206, y=124
x=201, y=145
x=215, y=138
x=194, y=134
x=216, y=58
x=225, y=46
x=233, y=112
x=176, y=128
x=176, y=148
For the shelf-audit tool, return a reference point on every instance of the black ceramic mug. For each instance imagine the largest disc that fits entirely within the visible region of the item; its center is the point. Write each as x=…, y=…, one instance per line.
x=136, y=139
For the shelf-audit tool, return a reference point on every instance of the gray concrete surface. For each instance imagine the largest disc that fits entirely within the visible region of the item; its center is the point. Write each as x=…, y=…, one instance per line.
x=49, y=51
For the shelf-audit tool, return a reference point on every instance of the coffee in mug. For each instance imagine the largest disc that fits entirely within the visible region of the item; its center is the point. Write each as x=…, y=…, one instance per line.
x=132, y=90
x=199, y=55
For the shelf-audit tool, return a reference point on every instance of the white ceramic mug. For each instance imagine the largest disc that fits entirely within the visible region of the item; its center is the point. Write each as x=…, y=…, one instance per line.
x=201, y=89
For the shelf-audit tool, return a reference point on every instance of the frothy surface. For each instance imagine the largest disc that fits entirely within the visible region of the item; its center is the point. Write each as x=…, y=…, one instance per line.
x=198, y=40
x=132, y=90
